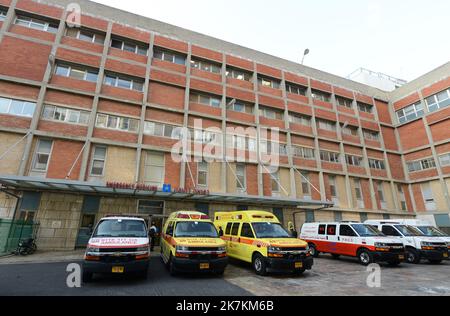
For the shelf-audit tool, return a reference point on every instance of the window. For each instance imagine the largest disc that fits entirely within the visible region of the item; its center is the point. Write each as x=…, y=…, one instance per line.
x=85, y=35
x=206, y=66
x=333, y=187
x=421, y=165
x=377, y=164
x=445, y=159
x=428, y=197
x=321, y=96
x=76, y=72
x=169, y=56
x=42, y=155
x=410, y=113
x=163, y=130
x=205, y=137
x=270, y=83
x=326, y=125
x=271, y=113
x=310, y=217
x=306, y=188
x=17, y=107
x=140, y=49
x=349, y=130
x=358, y=191
x=353, y=160
x=322, y=229
x=37, y=24
x=56, y=113
x=240, y=175
x=329, y=156
x=98, y=161
x=154, y=166
x=331, y=230
x=235, y=229
x=390, y=231
x=275, y=178
x=300, y=119
x=304, y=152
x=116, y=122
x=2, y=14
x=438, y=101
x=341, y=101
x=239, y=106
x=401, y=193
x=347, y=231
x=380, y=191
x=238, y=74
x=202, y=174
x=228, y=228
x=246, y=231
x=123, y=82
x=296, y=89
x=371, y=135
x=364, y=107
x=205, y=99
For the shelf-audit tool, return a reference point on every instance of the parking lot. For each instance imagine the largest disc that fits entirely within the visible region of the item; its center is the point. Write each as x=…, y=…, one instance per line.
x=328, y=277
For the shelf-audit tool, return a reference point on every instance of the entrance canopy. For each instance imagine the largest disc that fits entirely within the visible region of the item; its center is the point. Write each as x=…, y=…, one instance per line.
x=8, y=183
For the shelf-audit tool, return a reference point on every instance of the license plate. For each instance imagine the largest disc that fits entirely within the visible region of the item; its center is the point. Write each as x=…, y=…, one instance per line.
x=299, y=265
x=445, y=255
x=401, y=257
x=118, y=269
x=204, y=266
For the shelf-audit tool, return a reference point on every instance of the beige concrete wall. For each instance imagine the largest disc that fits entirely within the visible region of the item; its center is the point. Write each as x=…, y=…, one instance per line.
x=341, y=192
x=231, y=179
x=7, y=205
x=119, y=206
x=59, y=219
x=285, y=180
x=389, y=196
x=215, y=177
x=438, y=195
x=120, y=164
x=10, y=162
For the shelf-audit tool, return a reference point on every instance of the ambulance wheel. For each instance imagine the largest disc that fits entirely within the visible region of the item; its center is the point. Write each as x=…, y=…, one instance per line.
x=313, y=251
x=435, y=261
x=335, y=256
x=220, y=272
x=259, y=265
x=87, y=277
x=365, y=257
x=299, y=272
x=412, y=256
x=171, y=267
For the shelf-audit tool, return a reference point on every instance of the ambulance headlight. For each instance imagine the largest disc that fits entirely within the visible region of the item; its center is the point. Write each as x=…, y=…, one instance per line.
x=274, y=249
x=426, y=244
x=142, y=249
x=181, y=248
x=222, y=249
x=381, y=245
x=93, y=250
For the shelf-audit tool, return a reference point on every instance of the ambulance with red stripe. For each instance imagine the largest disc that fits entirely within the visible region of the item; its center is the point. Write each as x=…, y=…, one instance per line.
x=353, y=239
x=191, y=243
x=118, y=245
x=258, y=238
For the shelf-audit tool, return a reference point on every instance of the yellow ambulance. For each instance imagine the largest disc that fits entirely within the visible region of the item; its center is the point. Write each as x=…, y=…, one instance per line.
x=190, y=243
x=257, y=237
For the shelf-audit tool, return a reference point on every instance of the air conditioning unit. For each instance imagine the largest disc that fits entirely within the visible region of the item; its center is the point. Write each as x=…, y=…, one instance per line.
x=307, y=198
x=431, y=206
x=384, y=206
x=360, y=204
x=335, y=200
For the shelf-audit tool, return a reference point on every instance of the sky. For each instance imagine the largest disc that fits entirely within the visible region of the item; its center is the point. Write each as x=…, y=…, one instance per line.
x=401, y=38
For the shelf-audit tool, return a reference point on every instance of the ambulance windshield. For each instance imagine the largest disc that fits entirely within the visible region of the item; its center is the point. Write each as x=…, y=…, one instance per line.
x=118, y=228
x=366, y=230
x=269, y=230
x=431, y=231
x=195, y=229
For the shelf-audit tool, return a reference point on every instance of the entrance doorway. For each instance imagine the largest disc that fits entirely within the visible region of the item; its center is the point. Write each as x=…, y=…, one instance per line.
x=91, y=205
x=159, y=221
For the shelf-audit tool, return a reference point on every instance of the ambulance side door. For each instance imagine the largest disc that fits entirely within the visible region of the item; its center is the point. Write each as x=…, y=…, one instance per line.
x=246, y=243
x=332, y=239
x=166, y=242
x=347, y=240
x=233, y=243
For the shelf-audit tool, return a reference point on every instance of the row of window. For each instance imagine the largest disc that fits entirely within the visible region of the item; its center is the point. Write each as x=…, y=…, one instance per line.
x=416, y=110
x=57, y=113
x=421, y=165
x=17, y=107
x=37, y=24
x=117, y=123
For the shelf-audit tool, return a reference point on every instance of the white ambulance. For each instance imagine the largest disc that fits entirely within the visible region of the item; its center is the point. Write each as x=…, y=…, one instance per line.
x=427, y=229
x=353, y=239
x=418, y=246
x=118, y=245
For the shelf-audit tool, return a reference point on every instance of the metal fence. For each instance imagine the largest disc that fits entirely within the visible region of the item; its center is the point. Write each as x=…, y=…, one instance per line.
x=13, y=231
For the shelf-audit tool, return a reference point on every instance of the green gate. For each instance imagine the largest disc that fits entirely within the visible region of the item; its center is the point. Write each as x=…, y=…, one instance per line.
x=13, y=231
